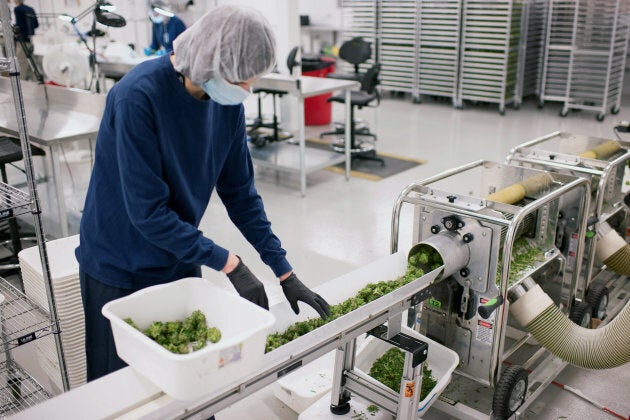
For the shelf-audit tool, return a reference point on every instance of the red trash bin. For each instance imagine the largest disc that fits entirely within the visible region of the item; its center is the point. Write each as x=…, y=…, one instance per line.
x=316, y=110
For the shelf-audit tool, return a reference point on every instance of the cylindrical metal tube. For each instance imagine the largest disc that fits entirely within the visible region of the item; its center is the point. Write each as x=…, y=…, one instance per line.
x=454, y=251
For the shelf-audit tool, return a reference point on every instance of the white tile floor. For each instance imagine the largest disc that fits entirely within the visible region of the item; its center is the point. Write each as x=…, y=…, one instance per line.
x=340, y=225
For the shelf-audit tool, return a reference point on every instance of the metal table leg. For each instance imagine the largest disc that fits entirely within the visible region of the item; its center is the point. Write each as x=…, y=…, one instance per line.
x=61, y=200
x=302, y=144
x=348, y=133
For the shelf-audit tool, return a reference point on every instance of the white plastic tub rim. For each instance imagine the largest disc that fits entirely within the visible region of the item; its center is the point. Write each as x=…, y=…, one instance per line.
x=110, y=311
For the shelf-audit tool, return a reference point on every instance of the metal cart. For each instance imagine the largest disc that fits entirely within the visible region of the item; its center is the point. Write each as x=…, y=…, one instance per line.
x=438, y=50
x=398, y=45
x=21, y=320
x=468, y=312
x=602, y=162
x=531, y=47
x=489, y=51
x=585, y=55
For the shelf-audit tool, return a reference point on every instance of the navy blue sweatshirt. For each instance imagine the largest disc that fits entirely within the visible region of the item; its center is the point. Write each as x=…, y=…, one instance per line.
x=160, y=152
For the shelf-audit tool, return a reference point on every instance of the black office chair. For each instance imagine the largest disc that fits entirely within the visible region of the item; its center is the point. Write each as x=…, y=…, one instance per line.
x=11, y=152
x=355, y=51
x=359, y=99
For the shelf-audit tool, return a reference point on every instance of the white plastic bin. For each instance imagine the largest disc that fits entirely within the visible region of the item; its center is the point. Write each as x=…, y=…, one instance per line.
x=244, y=327
x=441, y=360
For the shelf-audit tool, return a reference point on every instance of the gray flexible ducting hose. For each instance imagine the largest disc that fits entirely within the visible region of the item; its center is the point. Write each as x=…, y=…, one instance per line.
x=602, y=348
x=613, y=250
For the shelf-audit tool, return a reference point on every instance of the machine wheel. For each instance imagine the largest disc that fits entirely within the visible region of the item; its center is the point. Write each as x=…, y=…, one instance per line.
x=614, y=110
x=510, y=392
x=581, y=314
x=600, y=117
x=597, y=297
x=417, y=100
x=541, y=104
x=516, y=106
x=502, y=111
x=564, y=112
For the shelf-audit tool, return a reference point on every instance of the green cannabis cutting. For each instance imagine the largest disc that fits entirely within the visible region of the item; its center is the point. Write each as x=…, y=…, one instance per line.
x=425, y=260
x=181, y=337
x=388, y=370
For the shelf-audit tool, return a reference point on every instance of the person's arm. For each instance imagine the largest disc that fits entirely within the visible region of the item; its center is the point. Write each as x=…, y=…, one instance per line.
x=245, y=208
x=146, y=194
x=179, y=27
x=236, y=189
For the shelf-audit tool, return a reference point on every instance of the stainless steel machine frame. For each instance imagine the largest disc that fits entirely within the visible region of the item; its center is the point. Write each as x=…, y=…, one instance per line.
x=560, y=151
x=481, y=343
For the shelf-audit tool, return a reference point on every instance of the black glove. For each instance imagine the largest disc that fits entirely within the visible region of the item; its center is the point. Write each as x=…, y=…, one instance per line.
x=248, y=286
x=295, y=291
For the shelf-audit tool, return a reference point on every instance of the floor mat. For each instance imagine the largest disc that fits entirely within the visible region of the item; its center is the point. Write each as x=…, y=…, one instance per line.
x=369, y=169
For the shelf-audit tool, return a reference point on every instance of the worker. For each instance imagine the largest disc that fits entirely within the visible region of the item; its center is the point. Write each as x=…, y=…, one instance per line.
x=166, y=27
x=25, y=25
x=173, y=130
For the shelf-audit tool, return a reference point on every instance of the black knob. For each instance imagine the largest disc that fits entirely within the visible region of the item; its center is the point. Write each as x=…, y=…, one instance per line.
x=435, y=229
x=464, y=272
x=451, y=198
x=487, y=308
x=468, y=238
x=452, y=223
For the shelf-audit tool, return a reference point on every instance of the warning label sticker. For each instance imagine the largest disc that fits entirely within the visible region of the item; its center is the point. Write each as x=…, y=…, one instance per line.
x=484, y=331
x=410, y=386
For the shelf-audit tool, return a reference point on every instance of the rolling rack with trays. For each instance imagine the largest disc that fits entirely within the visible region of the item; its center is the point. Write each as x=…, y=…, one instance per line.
x=23, y=321
x=585, y=53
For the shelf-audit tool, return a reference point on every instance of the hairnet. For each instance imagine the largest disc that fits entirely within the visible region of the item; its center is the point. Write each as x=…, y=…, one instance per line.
x=162, y=4
x=235, y=43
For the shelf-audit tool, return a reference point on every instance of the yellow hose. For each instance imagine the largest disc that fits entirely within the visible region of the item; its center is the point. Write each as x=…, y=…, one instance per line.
x=516, y=192
x=602, y=151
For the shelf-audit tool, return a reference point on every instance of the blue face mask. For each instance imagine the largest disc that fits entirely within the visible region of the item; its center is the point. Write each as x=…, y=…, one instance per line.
x=156, y=17
x=224, y=93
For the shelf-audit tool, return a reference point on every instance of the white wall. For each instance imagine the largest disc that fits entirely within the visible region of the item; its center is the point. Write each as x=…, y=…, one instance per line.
x=322, y=12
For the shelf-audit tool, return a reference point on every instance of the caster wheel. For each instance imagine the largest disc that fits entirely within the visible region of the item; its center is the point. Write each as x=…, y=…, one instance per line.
x=581, y=314
x=614, y=110
x=417, y=100
x=564, y=112
x=541, y=104
x=502, y=112
x=510, y=392
x=259, y=141
x=516, y=106
x=600, y=117
x=597, y=297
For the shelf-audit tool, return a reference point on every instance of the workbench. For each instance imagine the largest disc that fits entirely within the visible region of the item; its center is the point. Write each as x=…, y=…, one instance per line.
x=302, y=159
x=63, y=115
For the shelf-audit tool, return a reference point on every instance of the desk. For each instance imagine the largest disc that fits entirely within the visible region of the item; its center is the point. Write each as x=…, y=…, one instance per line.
x=302, y=159
x=68, y=115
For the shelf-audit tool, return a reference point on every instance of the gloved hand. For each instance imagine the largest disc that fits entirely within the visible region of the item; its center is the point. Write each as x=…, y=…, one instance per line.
x=296, y=291
x=148, y=51
x=160, y=52
x=248, y=286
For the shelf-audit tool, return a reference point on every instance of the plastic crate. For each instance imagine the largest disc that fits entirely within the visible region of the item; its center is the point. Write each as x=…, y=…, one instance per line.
x=216, y=367
x=441, y=360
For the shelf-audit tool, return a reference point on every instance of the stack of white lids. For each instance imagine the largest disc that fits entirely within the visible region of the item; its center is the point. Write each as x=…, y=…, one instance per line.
x=64, y=274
